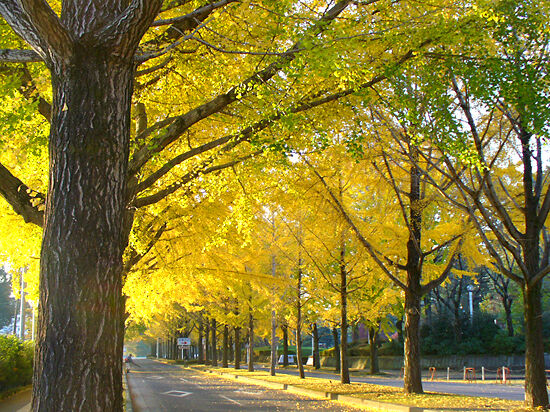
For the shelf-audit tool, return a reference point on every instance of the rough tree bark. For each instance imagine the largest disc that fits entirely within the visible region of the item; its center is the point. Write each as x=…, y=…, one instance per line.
x=250, y=341
x=207, y=342
x=237, y=355
x=214, y=344
x=90, y=51
x=90, y=57
x=285, y=345
x=412, y=375
x=225, y=355
x=316, y=358
x=373, y=334
x=201, y=347
x=299, y=322
x=336, y=349
x=344, y=370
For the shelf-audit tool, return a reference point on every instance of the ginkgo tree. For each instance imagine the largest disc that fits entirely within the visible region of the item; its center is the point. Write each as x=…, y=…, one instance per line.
x=492, y=98
x=102, y=172
x=421, y=240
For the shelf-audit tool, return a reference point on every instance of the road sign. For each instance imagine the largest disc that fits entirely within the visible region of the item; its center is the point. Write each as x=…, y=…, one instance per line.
x=184, y=341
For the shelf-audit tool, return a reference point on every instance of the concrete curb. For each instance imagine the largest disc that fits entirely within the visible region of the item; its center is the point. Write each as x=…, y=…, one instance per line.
x=350, y=400
x=128, y=407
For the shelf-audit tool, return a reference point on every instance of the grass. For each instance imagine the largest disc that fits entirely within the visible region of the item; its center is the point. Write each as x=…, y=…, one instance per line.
x=388, y=394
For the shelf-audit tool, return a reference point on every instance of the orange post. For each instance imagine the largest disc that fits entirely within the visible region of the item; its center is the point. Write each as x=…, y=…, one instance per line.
x=470, y=374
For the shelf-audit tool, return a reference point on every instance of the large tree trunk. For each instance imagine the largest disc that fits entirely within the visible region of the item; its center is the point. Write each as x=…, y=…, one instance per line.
x=207, y=342
x=273, y=343
x=237, y=347
x=373, y=333
x=316, y=360
x=285, y=345
x=535, y=378
x=336, y=348
x=344, y=370
x=214, y=344
x=507, y=303
x=250, y=341
x=201, y=339
x=299, y=350
x=81, y=312
x=225, y=354
x=299, y=324
x=22, y=322
x=412, y=376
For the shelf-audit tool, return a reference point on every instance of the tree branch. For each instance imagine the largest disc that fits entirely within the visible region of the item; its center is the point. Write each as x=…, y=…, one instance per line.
x=366, y=244
x=126, y=30
x=20, y=23
x=19, y=56
x=24, y=201
x=439, y=280
x=202, y=170
x=48, y=27
x=182, y=123
x=135, y=256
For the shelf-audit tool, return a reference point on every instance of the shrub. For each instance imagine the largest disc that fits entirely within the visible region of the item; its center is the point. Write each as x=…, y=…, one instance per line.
x=392, y=347
x=16, y=359
x=503, y=344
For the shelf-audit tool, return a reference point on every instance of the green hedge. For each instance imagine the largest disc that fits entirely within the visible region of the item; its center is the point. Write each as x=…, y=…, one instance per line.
x=16, y=360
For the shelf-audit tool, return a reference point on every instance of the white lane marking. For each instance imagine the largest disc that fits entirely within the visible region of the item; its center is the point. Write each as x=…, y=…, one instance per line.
x=249, y=392
x=231, y=400
x=155, y=377
x=183, y=380
x=179, y=394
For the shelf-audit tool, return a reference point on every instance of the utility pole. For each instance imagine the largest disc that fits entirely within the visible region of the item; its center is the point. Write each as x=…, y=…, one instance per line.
x=273, y=324
x=22, y=307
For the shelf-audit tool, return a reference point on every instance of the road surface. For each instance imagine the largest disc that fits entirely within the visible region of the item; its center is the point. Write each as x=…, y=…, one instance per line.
x=157, y=387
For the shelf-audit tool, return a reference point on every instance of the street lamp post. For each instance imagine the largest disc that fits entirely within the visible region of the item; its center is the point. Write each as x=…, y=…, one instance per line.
x=471, y=302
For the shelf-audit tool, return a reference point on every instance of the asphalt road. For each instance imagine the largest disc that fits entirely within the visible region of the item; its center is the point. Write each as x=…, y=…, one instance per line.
x=157, y=387
x=491, y=390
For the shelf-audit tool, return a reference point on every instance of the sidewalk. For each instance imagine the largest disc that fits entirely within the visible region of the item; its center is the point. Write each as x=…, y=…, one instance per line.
x=380, y=395
x=19, y=402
